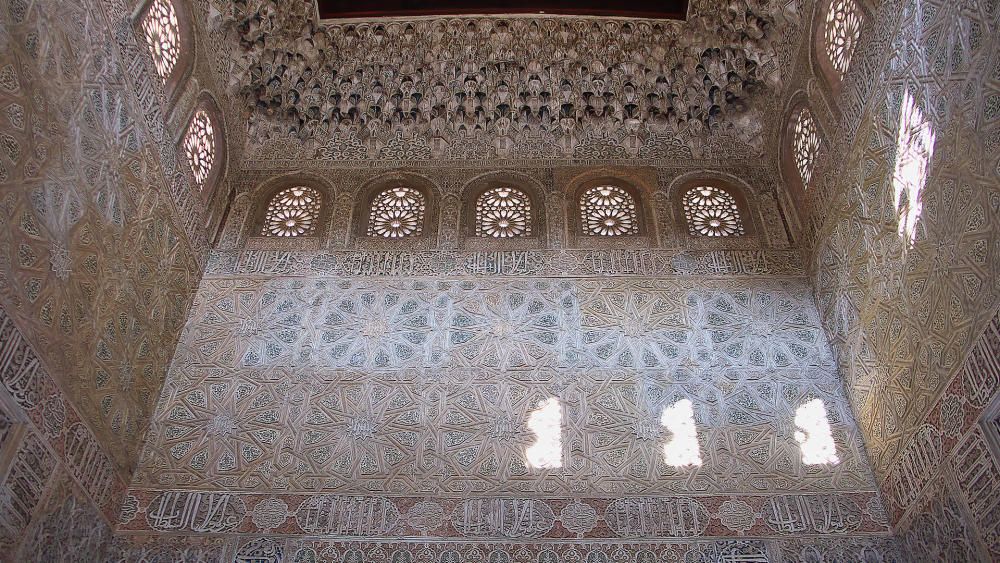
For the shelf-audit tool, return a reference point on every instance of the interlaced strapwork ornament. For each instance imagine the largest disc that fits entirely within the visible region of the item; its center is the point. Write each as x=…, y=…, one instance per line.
x=503, y=212
x=199, y=146
x=843, y=29
x=163, y=36
x=397, y=212
x=712, y=212
x=806, y=145
x=292, y=212
x=608, y=211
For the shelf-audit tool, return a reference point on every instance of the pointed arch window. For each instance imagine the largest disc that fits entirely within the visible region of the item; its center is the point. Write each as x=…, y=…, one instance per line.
x=397, y=212
x=805, y=144
x=609, y=211
x=163, y=35
x=841, y=32
x=503, y=212
x=292, y=212
x=712, y=212
x=200, y=148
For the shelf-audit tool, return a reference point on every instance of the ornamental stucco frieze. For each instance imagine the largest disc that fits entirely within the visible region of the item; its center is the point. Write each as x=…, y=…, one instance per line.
x=520, y=87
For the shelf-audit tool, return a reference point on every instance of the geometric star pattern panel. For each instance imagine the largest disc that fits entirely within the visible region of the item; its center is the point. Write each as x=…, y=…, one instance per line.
x=418, y=399
x=97, y=269
x=92, y=259
x=906, y=285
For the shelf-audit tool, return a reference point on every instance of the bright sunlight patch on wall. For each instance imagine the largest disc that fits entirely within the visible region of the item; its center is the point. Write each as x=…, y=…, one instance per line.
x=682, y=449
x=914, y=149
x=546, y=423
x=814, y=436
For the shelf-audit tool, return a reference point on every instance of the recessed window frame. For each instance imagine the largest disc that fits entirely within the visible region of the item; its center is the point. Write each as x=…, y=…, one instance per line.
x=174, y=83
x=824, y=64
x=746, y=206
x=366, y=196
x=206, y=190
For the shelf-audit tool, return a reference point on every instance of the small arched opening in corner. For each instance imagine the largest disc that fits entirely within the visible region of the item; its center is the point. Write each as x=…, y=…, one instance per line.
x=202, y=147
x=801, y=143
x=836, y=33
x=166, y=30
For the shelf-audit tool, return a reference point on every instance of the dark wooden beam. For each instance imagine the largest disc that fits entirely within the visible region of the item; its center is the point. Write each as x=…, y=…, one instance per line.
x=664, y=9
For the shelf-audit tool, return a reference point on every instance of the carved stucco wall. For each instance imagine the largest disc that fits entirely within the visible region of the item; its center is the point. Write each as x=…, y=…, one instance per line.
x=60, y=492
x=907, y=322
x=101, y=247
x=331, y=397
x=413, y=421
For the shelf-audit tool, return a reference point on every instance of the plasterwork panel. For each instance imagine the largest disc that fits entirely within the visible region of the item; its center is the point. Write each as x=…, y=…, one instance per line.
x=48, y=456
x=275, y=548
x=94, y=265
x=362, y=406
x=67, y=528
x=906, y=306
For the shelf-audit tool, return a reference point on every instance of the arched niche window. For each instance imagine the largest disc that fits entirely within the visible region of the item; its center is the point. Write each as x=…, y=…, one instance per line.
x=165, y=27
x=503, y=212
x=841, y=31
x=805, y=145
x=608, y=210
x=200, y=147
x=292, y=212
x=397, y=212
x=712, y=211
x=163, y=35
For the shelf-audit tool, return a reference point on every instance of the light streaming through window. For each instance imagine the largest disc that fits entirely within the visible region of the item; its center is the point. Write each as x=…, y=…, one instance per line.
x=914, y=149
x=806, y=145
x=843, y=28
x=163, y=36
x=503, y=212
x=546, y=423
x=608, y=211
x=292, y=212
x=397, y=212
x=814, y=435
x=712, y=212
x=199, y=146
x=682, y=450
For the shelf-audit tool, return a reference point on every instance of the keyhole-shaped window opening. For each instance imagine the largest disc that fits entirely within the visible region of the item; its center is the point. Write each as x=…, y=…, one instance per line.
x=841, y=32
x=805, y=145
x=163, y=35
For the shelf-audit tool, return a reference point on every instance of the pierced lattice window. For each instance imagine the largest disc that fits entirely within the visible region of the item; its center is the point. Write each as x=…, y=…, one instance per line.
x=397, y=212
x=163, y=36
x=806, y=145
x=292, y=212
x=503, y=212
x=712, y=212
x=843, y=29
x=608, y=211
x=199, y=146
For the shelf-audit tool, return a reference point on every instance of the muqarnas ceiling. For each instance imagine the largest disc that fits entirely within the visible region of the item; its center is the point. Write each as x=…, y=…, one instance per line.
x=509, y=87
